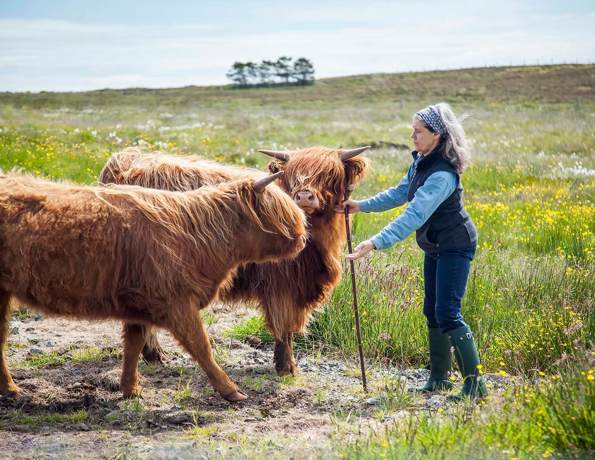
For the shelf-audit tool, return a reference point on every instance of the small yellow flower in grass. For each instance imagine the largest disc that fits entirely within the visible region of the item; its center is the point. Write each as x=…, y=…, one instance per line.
x=547, y=454
x=541, y=373
x=502, y=373
x=480, y=368
x=590, y=377
x=502, y=363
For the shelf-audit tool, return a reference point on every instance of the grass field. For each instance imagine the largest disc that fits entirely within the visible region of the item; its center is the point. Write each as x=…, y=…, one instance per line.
x=530, y=191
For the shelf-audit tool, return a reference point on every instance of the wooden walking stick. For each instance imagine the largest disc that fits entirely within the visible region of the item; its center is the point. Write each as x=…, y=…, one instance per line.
x=354, y=291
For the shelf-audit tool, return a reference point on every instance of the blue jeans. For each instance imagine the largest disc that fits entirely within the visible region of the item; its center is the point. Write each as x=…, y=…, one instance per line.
x=445, y=280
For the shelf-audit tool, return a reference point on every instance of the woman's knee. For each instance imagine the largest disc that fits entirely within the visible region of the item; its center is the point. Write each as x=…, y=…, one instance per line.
x=430, y=311
x=449, y=318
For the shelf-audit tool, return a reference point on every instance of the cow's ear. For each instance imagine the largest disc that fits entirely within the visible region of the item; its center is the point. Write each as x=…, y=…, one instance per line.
x=355, y=169
x=275, y=166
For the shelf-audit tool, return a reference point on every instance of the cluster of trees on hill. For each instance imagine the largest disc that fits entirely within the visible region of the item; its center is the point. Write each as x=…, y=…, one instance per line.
x=283, y=71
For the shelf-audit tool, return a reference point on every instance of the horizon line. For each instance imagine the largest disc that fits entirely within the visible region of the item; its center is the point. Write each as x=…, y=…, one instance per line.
x=444, y=69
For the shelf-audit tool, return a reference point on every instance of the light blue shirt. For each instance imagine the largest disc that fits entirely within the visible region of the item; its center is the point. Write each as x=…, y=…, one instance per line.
x=437, y=188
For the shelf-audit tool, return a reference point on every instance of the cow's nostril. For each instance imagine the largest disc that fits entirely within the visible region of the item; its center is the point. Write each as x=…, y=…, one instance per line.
x=305, y=197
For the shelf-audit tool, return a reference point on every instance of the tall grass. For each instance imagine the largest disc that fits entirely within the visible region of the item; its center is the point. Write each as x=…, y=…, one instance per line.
x=389, y=304
x=532, y=420
x=526, y=314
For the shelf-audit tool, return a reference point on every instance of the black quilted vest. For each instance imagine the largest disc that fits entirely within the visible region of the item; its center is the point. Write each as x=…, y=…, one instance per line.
x=449, y=227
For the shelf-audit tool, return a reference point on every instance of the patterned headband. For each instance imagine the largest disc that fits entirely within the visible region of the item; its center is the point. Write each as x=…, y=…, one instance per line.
x=431, y=118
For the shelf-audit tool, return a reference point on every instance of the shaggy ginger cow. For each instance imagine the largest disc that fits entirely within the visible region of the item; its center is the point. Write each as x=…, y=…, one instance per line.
x=147, y=257
x=287, y=291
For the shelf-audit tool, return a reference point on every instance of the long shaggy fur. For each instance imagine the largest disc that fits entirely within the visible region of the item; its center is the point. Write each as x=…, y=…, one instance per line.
x=287, y=291
x=140, y=255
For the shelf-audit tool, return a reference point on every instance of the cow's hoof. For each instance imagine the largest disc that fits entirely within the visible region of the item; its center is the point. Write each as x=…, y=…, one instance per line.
x=133, y=393
x=12, y=392
x=154, y=356
x=236, y=396
x=284, y=370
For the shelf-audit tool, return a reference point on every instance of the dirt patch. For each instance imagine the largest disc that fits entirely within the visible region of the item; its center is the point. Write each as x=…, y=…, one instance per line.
x=72, y=406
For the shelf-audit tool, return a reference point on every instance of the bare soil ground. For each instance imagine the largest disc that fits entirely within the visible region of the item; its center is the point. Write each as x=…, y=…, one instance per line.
x=72, y=407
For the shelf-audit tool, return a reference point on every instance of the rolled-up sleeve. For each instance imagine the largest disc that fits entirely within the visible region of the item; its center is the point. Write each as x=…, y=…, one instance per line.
x=426, y=200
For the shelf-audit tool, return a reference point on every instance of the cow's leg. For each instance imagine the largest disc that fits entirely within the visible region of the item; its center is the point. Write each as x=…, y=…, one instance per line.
x=190, y=331
x=7, y=385
x=152, y=351
x=134, y=340
x=284, y=317
x=283, y=355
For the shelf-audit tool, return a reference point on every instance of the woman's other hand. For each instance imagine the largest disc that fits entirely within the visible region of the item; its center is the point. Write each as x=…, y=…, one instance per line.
x=361, y=250
x=353, y=207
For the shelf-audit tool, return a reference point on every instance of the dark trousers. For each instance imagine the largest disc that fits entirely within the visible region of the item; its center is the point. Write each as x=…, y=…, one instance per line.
x=445, y=280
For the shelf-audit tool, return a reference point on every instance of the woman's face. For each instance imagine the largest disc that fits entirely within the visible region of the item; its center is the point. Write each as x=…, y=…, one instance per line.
x=423, y=139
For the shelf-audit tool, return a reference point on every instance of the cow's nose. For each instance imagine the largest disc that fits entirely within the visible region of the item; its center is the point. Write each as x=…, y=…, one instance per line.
x=304, y=198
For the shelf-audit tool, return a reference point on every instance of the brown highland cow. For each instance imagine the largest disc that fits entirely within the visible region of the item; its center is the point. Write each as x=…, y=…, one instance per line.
x=287, y=291
x=147, y=257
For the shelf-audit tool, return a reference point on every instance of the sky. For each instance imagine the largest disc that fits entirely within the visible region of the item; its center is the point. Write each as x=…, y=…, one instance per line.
x=68, y=45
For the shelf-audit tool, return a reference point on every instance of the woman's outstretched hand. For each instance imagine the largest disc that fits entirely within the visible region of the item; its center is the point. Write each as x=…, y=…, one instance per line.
x=353, y=207
x=361, y=250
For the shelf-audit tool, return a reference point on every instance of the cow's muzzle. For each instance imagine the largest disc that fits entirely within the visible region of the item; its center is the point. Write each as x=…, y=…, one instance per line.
x=306, y=200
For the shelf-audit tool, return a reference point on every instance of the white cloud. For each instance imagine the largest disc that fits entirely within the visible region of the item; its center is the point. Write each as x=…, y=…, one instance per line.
x=39, y=54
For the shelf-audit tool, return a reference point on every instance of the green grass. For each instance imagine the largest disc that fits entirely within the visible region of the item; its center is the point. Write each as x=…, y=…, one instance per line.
x=183, y=393
x=41, y=420
x=134, y=405
x=253, y=327
x=54, y=358
x=530, y=421
x=21, y=314
x=92, y=354
x=50, y=359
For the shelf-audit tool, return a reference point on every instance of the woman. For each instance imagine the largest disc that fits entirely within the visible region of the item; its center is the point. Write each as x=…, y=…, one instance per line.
x=444, y=231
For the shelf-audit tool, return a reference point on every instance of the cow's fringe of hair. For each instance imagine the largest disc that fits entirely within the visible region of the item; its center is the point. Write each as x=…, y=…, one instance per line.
x=313, y=160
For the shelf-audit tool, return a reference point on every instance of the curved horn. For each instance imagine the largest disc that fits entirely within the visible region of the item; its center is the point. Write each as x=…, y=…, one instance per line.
x=347, y=154
x=260, y=184
x=279, y=155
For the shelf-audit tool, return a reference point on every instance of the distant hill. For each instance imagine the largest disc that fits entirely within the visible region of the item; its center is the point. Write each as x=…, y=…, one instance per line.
x=551, y=83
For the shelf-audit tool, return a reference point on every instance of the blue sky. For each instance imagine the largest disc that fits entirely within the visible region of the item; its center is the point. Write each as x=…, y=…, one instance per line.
x=77, y=45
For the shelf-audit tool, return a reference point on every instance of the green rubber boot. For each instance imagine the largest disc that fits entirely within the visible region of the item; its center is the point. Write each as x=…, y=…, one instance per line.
x=440, y=362
x=467, y=358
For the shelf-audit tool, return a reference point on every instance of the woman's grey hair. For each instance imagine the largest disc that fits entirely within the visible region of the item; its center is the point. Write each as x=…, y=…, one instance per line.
x=456, y=149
